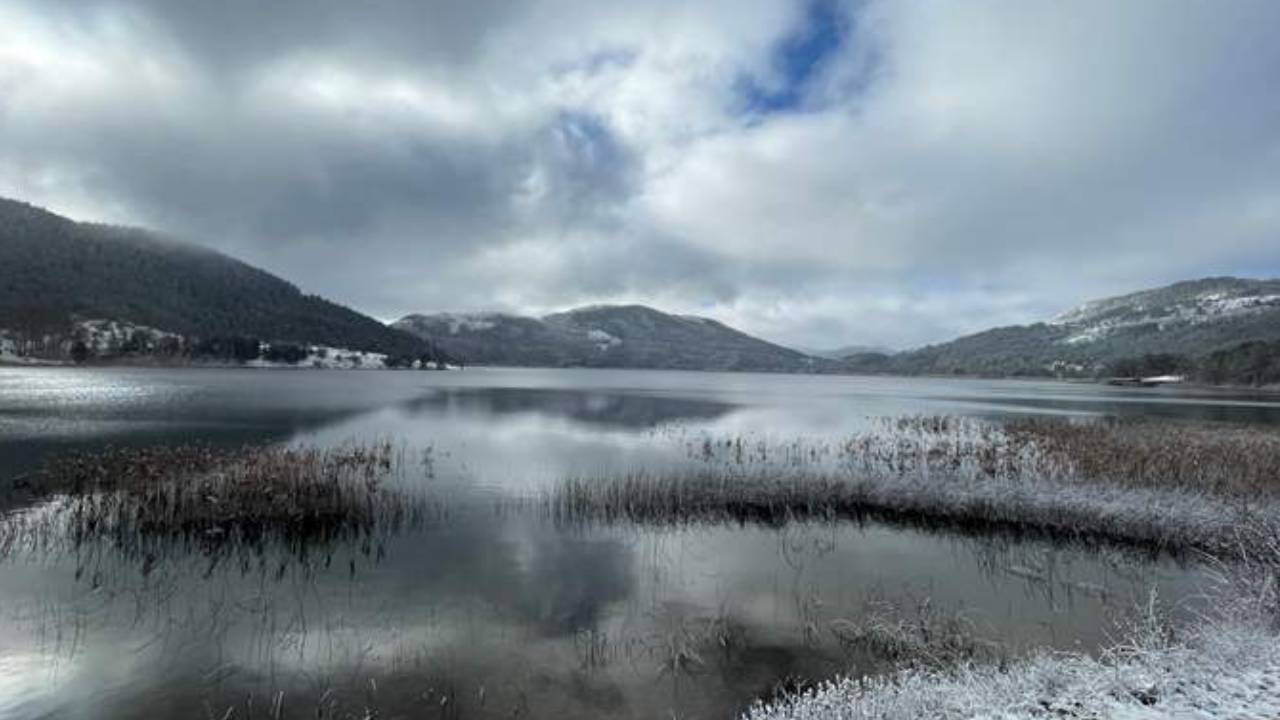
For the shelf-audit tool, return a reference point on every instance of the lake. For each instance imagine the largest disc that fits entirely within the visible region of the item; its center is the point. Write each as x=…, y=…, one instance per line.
x=491, y=611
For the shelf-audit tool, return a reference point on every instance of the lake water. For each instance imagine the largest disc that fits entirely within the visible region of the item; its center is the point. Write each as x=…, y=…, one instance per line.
x=482, y=613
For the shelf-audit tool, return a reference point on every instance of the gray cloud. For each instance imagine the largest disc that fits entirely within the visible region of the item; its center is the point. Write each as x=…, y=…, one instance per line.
x=942, y=167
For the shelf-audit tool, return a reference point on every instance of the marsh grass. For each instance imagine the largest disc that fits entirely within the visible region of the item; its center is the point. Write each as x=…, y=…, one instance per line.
x=146, y=503
x=1165, y=485
x=916, y=634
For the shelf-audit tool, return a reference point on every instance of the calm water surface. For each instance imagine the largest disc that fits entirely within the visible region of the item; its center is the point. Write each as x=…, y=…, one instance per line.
x=498, y=614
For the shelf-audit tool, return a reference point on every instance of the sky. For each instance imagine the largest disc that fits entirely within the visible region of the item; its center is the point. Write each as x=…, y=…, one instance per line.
x=820, y=173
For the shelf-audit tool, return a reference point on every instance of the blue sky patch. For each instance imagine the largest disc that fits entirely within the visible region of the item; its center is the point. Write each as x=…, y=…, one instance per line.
x=798, y=58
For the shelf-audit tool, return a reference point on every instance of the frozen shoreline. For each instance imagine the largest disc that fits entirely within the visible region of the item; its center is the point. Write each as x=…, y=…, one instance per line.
x=1226, y=668
x=1224, y=663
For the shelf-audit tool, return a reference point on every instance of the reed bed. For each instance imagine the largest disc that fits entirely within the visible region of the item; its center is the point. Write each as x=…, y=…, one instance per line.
x=145, y=503
x=1168, y=486
x=1218, y=458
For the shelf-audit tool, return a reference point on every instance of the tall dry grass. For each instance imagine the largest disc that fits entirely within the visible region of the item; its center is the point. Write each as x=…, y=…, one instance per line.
x=145, y=503
x=1166, y=485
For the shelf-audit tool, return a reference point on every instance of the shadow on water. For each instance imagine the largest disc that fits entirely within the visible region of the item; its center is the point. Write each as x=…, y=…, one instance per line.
x=49, y=412
x=605, y=409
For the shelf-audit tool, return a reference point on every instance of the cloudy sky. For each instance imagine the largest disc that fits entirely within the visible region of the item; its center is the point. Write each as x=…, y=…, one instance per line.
x=819, y=173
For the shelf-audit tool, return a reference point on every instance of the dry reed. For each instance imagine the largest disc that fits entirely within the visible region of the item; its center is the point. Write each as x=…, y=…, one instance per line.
x=148, y=502
x=1172, y=486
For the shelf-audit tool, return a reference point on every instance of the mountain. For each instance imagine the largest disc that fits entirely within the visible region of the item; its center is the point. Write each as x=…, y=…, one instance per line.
x=630, y=336
x=1173, y=328
x=844, y=351
x=54, y=271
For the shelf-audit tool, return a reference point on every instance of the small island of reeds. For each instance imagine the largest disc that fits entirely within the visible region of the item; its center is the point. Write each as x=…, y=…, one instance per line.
x=147, y=502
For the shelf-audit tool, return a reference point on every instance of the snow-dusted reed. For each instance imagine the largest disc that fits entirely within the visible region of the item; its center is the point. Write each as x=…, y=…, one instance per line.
x=1221, y=670
x=1171, y=487
x=1226, y=665
x=147, y=503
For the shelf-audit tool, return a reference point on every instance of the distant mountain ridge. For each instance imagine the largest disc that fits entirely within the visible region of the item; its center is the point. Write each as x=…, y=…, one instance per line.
x=1188, y=320
x=621, y=336
x=62, y=282
x=844, y=351
x=53, y=269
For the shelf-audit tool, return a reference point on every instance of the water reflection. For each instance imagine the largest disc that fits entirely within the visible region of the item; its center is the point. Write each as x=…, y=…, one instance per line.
x=562, y=622
x=1223, y=407
x=596, y=408
x=481, y=612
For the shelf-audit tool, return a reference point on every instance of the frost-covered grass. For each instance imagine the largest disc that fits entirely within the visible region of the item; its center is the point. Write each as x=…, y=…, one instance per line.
x=1204, y=486
x=1221, y=670
x=146, y=502
x=1171, y=487
x=1224, y=665
x=1238, y=460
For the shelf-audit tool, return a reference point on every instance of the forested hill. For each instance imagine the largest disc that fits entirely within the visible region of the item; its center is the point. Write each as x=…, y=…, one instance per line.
x=53, y=270
x=608, y=336
x=1219, y=329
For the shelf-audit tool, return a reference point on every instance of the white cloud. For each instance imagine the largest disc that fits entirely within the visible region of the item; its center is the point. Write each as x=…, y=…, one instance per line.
x=952, y=165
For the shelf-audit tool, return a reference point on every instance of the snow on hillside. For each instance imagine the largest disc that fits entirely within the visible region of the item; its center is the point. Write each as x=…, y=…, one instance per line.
x=328, y=358
x=470, y=322
x=603, y=340
x=103, y=337
x=1096, y=320
x=107, y=339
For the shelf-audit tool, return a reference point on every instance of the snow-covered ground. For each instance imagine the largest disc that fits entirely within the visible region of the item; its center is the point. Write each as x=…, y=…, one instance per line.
x=331, y=358
x=103, y=337
x=9, y=353
x=1222, y=671
x=1224, y=663
x=1226, y=666
x=8, y=346
x=328, y=358
x=109, y=338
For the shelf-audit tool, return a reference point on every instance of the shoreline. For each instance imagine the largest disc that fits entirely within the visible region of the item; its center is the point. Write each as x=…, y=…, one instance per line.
x=9, y=362
x=47, y=364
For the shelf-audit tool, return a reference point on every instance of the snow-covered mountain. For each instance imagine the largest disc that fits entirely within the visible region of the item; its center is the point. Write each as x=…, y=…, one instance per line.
x=1189, y=320
x=1186, y=304
x=602, y=336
